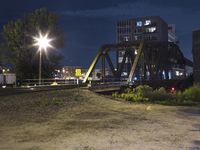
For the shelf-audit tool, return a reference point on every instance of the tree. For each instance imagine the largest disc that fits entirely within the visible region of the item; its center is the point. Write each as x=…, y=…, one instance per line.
x=5, y=55
x=18, y=35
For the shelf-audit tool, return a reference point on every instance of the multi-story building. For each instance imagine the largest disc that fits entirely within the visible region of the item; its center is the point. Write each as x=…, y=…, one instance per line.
x=196, y=56
x=144, y=28
x=151, y=29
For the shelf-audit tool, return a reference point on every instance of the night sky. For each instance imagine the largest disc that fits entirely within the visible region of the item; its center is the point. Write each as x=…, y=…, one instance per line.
x=90, y=23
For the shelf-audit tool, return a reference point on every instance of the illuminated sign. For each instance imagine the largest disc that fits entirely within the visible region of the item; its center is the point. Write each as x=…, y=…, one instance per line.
x=78, y=72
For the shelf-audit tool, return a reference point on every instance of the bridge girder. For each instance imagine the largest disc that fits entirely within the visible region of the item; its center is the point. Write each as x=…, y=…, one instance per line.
x=156, y=56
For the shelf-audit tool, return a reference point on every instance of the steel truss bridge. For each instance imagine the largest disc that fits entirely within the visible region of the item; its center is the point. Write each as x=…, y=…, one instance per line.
x=153, y=57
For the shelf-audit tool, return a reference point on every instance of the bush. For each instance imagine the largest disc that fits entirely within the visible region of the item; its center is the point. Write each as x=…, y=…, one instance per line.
x=179, y=97
x=189, y=95
x=135, y=95
x=160, y=95
x=115, y=94
x=143, y=90
x=144, y=93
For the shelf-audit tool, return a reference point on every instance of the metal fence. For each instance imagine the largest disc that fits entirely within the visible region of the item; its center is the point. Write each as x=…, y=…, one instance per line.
x=47, y=82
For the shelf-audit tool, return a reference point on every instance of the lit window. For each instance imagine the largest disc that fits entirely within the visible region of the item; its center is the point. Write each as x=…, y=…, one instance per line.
x=147, y=22
x=126, y=38
x=151, y=29
x=122, y=53
x=139, y=23
x=170, y=75
x=136, y=38
x=177, y=73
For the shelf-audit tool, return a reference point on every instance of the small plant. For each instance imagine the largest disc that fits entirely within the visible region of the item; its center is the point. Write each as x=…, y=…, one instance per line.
x=115, y=94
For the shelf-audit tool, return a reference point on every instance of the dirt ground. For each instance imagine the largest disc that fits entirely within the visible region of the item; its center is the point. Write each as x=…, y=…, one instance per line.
x=82, y=120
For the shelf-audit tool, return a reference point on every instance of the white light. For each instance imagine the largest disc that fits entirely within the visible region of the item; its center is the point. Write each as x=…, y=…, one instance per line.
x=43, y=41
x=151, y=29
x=139, y=23
x=177, y=73
x=147, y=22
x=136, y=52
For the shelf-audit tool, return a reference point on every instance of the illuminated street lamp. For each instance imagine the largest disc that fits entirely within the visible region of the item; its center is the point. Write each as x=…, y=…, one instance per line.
x=43, y=42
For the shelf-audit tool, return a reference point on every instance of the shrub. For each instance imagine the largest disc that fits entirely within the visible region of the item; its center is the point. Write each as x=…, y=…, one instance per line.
x=128, y=90
x=135, y=95
x=160, y=95
x=191, y=94
x=143, y=90
x=179, y=97
x=144, y=93
x=115, y=94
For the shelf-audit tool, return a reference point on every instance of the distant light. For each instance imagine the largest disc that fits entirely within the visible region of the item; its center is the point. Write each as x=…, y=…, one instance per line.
x=136, y=52
x=147, y=22
x=177, y=73
x=139, y=23
x=54, y=84
x=3, y=86
x=4, y=70
x=173, y=89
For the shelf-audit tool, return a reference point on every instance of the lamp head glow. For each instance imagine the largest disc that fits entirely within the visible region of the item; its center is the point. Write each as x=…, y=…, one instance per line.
x=42, y=41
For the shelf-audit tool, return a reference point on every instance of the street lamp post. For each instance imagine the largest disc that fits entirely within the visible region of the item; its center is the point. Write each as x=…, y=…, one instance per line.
x=42, y=42
x=40, y=68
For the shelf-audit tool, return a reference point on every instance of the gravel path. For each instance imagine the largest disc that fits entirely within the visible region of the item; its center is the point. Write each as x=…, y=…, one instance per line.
x=82, y=120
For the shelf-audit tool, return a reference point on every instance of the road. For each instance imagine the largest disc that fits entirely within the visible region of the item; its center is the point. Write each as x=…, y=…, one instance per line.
x=32, y=89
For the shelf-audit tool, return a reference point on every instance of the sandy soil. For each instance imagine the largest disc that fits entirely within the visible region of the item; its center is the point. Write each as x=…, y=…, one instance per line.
x=82, y=120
